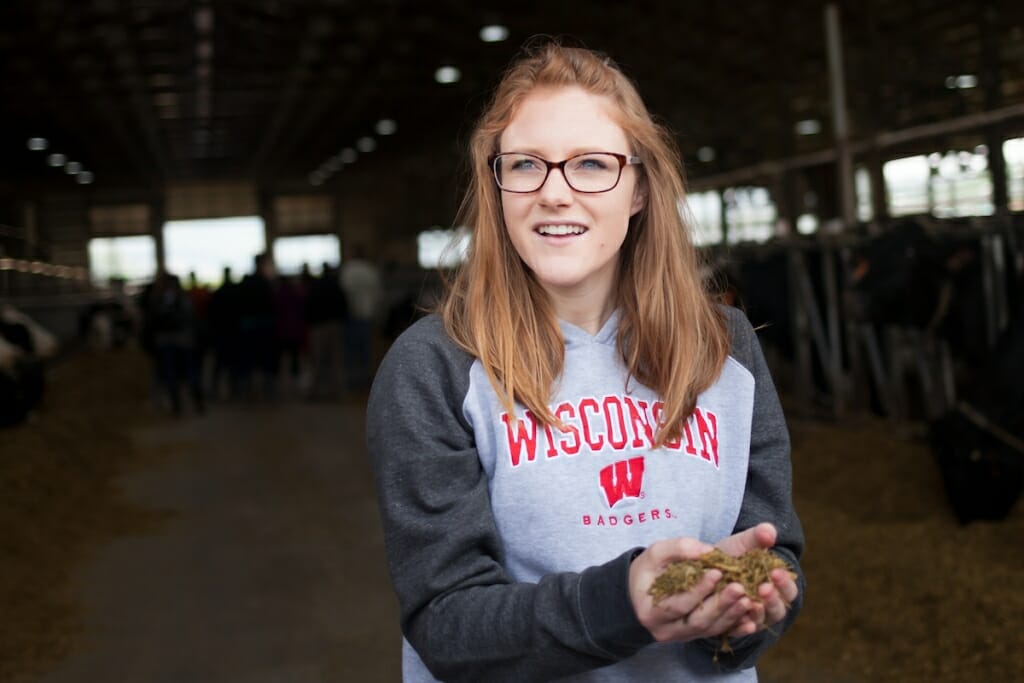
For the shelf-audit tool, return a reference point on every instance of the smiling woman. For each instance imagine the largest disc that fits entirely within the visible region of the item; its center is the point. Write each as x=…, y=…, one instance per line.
x=579, y=414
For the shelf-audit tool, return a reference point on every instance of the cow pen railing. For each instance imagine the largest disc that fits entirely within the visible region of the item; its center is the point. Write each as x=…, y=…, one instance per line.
x=838, y=361
x=51, y=294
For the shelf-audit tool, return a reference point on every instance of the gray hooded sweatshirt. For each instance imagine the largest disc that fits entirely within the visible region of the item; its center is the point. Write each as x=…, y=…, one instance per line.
x=509, y=541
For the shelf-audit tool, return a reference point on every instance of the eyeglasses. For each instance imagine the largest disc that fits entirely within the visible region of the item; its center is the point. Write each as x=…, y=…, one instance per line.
x=592, y=172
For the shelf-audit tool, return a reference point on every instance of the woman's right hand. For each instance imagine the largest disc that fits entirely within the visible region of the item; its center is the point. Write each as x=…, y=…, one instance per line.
x=701, y=612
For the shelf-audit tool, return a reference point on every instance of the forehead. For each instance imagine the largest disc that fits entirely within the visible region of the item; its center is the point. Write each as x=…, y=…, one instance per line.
x=562, y=120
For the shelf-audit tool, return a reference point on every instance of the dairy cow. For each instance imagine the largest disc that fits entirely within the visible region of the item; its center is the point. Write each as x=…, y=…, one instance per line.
x=24, y=348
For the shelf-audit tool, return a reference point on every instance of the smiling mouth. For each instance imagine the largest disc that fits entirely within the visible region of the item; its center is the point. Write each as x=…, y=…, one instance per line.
x=560, y=230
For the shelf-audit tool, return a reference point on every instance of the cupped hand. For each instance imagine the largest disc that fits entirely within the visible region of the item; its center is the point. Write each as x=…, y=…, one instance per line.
x=701, y=612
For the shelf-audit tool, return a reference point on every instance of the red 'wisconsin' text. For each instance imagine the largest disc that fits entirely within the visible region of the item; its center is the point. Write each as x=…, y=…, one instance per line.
x=615, y=423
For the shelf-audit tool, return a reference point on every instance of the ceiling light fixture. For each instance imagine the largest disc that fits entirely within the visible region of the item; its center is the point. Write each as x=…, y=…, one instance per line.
x=56, y=160
x=494, y=33
x=447, y=74
x=366, y=144
x=962, y=82
x=966, y=81
x=38, y=144
x=386, y=127
x=204, y=20
x=808, y=127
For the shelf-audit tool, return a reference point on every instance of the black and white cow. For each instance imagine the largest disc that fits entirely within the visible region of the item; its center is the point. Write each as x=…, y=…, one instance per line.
x=979, y=443
x=24, y=348
x=933, y=284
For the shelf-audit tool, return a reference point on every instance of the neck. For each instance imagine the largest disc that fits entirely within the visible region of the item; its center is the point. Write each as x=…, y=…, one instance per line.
x=587, y=313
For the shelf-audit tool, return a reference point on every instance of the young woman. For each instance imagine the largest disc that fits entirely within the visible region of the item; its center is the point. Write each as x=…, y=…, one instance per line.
x=579, y=414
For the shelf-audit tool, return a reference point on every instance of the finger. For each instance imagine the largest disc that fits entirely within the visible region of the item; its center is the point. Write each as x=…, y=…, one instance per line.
x=761, y=536
x=656, y=557
x=775, y=606
x=670, y=618
x=744, y=627
x=677, y=549
x=756, y=614
x=778, y=595
x=731, y=607
x=683, y=605
x=785, y=584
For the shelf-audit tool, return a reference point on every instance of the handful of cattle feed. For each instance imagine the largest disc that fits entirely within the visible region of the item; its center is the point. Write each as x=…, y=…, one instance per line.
x=750, y=569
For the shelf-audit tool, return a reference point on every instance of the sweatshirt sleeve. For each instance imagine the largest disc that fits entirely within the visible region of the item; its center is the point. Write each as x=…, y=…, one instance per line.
x=465, y=617
x=768, y=496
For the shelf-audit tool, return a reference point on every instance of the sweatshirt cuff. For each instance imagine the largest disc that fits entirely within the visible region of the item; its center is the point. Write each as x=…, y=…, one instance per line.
x=607, y=609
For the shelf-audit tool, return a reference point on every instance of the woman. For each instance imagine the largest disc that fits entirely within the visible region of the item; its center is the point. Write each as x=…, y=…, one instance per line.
x=579, y=414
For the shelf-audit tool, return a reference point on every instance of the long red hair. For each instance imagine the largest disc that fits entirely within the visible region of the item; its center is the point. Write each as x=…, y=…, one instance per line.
x=671, y=336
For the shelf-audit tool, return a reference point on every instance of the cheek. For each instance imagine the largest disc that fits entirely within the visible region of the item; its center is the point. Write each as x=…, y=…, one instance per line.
x=514, y=219
x=618, y=222
x=514, y=214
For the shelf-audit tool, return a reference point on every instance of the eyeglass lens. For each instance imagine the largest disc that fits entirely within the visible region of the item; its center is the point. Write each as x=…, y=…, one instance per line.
x=596, y=172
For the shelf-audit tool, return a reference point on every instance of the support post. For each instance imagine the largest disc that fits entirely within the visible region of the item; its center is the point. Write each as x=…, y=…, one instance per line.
x=837, y=90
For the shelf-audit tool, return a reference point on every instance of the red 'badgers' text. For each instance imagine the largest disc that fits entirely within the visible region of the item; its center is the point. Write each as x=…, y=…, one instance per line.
x=628, y=519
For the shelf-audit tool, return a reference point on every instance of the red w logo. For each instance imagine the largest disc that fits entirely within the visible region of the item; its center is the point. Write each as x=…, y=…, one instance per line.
x=622, y=479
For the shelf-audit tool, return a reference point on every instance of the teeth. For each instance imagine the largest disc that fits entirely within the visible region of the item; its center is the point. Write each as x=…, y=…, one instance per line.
x=561, y=230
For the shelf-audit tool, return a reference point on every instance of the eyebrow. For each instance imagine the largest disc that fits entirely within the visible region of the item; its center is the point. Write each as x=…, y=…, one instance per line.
x=574, y=152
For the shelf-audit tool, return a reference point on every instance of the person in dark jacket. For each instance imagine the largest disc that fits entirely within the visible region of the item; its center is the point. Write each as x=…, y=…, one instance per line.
x=172, y=334
x=326, y=313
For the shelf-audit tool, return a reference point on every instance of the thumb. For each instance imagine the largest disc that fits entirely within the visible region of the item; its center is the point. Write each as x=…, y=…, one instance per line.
x=761, y=536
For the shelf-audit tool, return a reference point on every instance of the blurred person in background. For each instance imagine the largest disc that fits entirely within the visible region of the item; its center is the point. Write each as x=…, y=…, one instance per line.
x=326, y=313
x=291, y=329
x=169, y=325
x=222, y=317
x=257, y=344
x=361, y=282
x=199, y=296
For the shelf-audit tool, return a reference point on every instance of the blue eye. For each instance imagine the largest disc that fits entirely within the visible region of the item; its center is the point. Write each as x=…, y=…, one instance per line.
x=594, y=162
x=523, y=164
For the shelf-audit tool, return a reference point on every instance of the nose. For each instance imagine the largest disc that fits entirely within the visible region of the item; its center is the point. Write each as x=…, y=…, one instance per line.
x=555, y=190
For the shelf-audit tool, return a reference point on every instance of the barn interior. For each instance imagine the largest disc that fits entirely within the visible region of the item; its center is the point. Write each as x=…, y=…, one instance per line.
x=855, y=181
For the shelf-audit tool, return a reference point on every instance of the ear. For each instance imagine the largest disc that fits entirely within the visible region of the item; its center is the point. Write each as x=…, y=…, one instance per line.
x=639, y=197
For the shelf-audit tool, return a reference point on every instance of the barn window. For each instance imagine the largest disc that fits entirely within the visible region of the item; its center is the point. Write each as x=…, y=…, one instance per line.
x=1013, y=153
x=957, y=183
x=132, y=259
x=291, y=253
x=906, y=185
x=750, y=214
x=702, y=212
x=862, y=189
x=961, y=184
x=439, y=247
x=207, y=246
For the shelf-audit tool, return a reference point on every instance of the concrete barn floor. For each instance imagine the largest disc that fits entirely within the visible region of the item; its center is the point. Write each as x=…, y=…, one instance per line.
x=269, y=568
